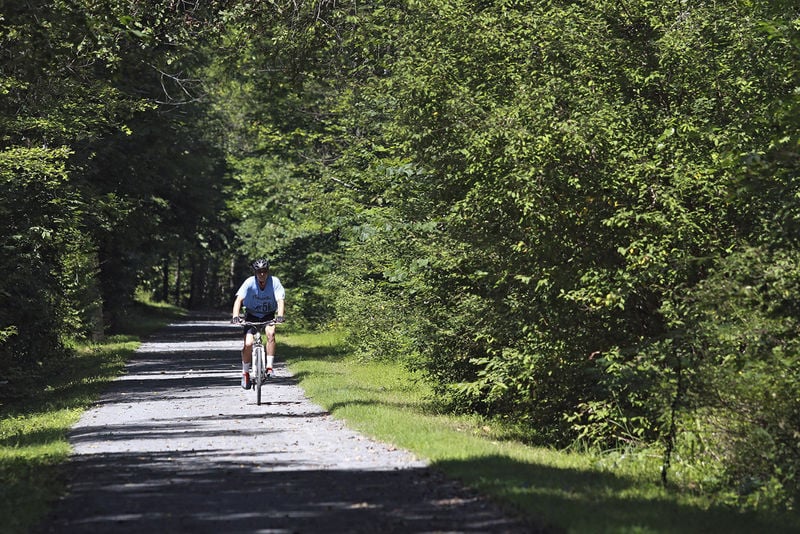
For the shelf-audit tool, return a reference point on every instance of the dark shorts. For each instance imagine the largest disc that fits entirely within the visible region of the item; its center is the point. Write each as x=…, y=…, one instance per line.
x=253, y=319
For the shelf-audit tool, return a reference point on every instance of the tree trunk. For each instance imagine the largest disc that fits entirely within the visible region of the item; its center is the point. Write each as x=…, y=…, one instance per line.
x=177, y=288
x=164, y=296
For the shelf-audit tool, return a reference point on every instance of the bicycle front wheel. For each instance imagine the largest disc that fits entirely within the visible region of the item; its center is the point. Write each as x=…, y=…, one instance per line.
x=258, y=361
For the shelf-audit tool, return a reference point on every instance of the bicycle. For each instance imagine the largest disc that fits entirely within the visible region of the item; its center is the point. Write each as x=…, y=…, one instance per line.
x=259, y=355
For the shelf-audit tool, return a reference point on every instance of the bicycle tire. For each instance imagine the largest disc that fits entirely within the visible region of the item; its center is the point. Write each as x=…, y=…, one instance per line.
x=258, y=359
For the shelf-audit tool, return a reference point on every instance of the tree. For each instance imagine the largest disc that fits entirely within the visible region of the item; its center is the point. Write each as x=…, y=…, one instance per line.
x=556, y=191
x=94, y=162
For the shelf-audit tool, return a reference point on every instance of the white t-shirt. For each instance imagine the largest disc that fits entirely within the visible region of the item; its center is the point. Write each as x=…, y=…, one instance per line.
x=261, y=302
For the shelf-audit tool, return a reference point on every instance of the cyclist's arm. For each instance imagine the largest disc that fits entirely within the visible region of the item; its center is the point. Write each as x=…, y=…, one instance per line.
x=237, y=306
x=280, y=313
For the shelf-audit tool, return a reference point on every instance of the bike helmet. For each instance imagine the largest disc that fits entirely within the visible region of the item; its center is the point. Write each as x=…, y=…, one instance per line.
x=260, y=264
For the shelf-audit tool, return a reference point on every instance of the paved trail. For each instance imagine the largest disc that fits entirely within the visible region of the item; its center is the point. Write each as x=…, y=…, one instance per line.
x=176, y=445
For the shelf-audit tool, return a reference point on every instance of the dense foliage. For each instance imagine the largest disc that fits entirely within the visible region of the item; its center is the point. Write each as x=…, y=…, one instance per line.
x=579, y=217
x=108, y=171
x=575, y=216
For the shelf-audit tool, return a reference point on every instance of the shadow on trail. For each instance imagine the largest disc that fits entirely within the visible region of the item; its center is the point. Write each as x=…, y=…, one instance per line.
x=184, y=357
x=196, y=331
x=279, y=497
x=165, y=387
x=155, y=431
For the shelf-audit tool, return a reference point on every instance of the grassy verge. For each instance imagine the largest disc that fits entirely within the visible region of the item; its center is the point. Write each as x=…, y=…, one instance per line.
x=33, y=430
x=569, y=491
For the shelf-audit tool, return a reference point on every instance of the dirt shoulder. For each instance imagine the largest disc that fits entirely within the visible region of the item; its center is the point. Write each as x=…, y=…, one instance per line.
x=176, y=445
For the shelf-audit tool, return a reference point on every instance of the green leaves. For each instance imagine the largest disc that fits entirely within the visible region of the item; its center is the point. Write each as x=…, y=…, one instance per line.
x=534, y=202
x=97, y=181
x=37, y=218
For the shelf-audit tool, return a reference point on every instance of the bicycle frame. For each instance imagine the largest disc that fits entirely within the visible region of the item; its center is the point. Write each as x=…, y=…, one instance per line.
x=259, y=354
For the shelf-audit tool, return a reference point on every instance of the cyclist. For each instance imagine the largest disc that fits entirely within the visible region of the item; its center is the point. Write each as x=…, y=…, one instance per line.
x=263, y=298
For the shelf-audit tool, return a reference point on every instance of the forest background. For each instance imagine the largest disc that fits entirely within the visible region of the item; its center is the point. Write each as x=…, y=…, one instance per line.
x=579, y=218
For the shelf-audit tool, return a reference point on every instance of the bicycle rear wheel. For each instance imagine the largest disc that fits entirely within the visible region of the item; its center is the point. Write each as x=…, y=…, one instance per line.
x=258, y=361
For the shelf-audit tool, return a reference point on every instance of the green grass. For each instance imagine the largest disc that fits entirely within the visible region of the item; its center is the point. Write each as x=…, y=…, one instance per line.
x=576, y=492
x=33, y=430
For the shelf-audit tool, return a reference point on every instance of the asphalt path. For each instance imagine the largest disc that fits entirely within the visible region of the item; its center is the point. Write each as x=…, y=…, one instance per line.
x=176, y=445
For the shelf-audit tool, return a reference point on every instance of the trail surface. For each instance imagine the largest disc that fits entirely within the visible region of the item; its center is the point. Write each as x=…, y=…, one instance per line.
x=176, y=445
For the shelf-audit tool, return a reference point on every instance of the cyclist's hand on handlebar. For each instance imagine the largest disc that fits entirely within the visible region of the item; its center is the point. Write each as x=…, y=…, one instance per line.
x=236, y=320
x=280, y=319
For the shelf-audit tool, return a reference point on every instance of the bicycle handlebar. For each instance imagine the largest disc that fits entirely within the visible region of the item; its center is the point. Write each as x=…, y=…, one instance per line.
x=257, y=324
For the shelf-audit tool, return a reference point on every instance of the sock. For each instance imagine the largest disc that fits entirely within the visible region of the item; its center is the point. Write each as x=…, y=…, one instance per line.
x=245, y=367
x=269, y=361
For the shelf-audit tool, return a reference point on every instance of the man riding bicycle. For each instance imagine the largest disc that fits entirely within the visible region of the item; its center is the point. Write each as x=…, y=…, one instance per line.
x=263, y=298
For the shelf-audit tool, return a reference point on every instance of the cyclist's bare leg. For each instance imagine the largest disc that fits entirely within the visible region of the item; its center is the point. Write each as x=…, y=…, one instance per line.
x=247, y=359
x=247, y=349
